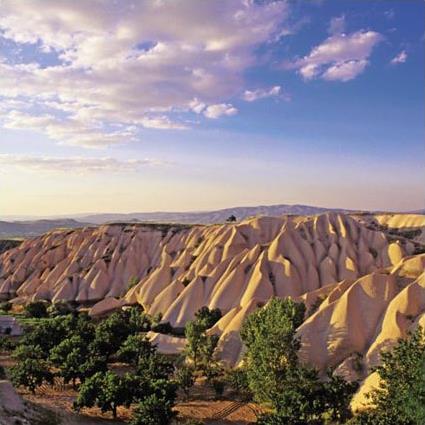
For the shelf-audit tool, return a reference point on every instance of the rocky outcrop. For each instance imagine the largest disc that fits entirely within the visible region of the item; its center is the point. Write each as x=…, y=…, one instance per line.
x=370, y=287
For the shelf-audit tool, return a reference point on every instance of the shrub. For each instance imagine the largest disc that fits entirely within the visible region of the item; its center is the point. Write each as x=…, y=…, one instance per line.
x=36, y=309
x=60, y=308
x=208, y=318
x=185, y=378
x=238, y=381
x=2, y=372
x=132, y=282
x=6, y=344
x=5, y=306
x=218, y=385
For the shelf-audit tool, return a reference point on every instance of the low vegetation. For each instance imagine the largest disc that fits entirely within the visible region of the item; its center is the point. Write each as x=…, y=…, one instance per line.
x=77, y=350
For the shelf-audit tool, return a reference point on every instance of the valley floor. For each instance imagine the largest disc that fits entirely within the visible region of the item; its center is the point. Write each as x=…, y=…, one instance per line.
x=200, y=406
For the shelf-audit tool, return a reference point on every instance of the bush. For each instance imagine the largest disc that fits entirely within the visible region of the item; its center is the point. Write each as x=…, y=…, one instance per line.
x=36, y=309
x=132, y=282
x=163, y=328
x=238, y=381
x=5, y=306
x=208, y=318
x=6, y=344
x=60, y=308
x=218, y=385
x=2, y=372
x=185, y=378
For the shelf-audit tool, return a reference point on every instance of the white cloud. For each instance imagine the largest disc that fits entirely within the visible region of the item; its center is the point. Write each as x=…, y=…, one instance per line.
x=73, y=164
x=400, y=58
x=337, y=25
x=340, y=57
x=345, y=71
x=216, y=111
x=134, y=63
x=197, y=106
x=68, y=131
x=252, y=95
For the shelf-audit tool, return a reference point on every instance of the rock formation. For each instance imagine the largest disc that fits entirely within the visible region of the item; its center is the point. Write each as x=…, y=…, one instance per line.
x=358, y=275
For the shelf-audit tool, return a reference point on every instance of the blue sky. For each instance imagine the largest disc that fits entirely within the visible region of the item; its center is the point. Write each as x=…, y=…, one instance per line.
x=187, y=105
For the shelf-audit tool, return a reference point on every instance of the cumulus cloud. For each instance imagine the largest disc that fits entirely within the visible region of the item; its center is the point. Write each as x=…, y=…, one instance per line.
x=400, y=58
x=253, y=95
x=216, y=111
x=341, y=57
x=74, y=164
x=133, y=63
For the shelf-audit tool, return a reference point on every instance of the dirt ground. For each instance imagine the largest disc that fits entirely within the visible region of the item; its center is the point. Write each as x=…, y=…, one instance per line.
x=59, y=400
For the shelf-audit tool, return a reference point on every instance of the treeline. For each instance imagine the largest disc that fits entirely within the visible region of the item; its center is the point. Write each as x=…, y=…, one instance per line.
x=80, y=351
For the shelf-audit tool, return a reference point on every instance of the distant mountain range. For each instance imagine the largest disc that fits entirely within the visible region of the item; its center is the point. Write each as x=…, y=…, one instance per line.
x=28, y=229
x=31, y=228
x=208, y=217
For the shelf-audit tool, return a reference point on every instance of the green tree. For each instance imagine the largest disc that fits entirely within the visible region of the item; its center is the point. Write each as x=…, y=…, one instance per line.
x=105, y=390
x=134, y=348
x=31, y=373
x=185, y=379
x=74, y=360
x=275, y=375
x=46, y=335
x=200, y=346
x=400, y=399
x=269, y=336
x=207, y=317
x=157, y=407
x=238, y=381
x=114, y=330
x=337, y=396
x=231, y=219
x=23, y=352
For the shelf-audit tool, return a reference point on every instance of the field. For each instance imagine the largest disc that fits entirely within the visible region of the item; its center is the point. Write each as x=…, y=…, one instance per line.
x=56, y=403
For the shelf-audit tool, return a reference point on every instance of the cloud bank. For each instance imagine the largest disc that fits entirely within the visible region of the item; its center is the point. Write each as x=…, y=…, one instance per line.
x=105, y=69
x=80, y=165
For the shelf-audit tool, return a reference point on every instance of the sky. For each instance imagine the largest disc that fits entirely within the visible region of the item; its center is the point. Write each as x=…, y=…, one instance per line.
x=178, y=105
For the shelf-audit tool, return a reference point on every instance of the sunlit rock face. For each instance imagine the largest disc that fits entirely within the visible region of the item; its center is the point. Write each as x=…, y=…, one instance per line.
x=371, y=286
